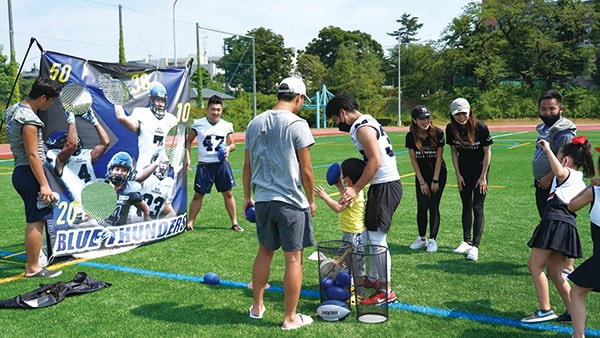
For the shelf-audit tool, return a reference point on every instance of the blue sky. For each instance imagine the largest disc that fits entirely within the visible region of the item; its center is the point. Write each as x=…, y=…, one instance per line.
x=89, y=28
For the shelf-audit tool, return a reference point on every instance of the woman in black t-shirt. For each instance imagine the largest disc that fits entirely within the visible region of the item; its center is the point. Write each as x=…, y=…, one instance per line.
x=470, y=142
x=425, y=143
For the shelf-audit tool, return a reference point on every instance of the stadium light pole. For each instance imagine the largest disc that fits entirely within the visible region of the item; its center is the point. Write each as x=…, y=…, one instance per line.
x=399, y=87
x=11, y=32
x=198, y=67
x=174, y=41
x=253, y=76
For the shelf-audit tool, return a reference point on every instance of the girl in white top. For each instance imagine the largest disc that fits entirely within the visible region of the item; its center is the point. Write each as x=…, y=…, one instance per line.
x=556, y=237
x=586, y=277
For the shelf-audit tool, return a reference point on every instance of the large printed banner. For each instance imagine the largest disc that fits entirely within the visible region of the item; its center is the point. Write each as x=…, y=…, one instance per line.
x=124, y=185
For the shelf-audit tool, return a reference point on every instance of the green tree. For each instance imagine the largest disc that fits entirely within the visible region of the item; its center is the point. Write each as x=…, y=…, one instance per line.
x=331, y=39
x=409, y=27
x=473, y=50
x=273, y=61
x=205, y=82
x=312, y=70
x=239, y=111
x=595, y=40
x=420, y=68
x=572, y=21
x=530, y=40
x=361, y=77
x=237, y=61
x=6, y=79
x=542, y=40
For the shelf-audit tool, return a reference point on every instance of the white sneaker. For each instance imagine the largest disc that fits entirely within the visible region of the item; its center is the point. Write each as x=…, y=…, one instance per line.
x=418, y=243
x=473, y=254
x=432, y=246
x=462, y=248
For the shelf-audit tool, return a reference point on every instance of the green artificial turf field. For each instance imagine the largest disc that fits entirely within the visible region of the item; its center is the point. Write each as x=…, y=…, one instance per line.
x=157, y=289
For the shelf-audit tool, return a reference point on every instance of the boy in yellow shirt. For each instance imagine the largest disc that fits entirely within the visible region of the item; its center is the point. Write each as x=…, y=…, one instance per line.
x=351, y=218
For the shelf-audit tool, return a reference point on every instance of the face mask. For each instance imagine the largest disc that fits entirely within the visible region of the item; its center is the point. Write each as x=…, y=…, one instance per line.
x=550, y=120
x=117, y=179
x=343, y=126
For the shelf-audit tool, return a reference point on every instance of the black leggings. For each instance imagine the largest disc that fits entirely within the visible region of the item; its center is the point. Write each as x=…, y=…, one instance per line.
x=429, y=204
x=472, y=210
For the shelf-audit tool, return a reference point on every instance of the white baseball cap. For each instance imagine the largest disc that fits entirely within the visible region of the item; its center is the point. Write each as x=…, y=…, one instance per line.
x=460, y=105
x=294, y=86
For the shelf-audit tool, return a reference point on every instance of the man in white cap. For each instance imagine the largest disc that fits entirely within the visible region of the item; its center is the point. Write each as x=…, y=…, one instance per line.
x=277, y=166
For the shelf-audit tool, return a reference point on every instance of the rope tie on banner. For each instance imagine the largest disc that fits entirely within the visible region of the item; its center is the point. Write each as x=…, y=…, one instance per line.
x=31, y=41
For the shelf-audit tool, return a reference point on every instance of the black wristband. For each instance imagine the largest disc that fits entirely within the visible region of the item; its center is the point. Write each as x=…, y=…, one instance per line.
x=435, y=181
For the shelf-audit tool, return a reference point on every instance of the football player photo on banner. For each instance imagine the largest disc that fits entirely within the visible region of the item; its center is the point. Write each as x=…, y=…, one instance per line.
x=115, y=143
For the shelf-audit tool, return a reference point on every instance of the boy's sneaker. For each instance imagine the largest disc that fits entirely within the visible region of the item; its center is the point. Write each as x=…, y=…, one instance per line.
x=462, y=248
x=379, y=298
x=432, y=246
x=539, y=316
x=564, y=318
x=373, y=285
x=419, y=243
x=473, y=254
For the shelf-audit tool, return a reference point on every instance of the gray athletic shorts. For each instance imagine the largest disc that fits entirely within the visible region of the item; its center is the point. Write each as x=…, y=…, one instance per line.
x=282, y=225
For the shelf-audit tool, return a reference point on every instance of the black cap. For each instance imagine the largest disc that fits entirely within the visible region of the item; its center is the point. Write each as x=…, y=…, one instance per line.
x=420, y=112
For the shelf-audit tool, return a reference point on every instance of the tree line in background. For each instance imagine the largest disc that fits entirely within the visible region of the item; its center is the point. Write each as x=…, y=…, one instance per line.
x=499, y=54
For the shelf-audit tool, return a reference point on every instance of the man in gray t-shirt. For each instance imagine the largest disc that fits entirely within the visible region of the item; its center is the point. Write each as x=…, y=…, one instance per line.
x=24, y=133
x=557, y=131
x=277, y=167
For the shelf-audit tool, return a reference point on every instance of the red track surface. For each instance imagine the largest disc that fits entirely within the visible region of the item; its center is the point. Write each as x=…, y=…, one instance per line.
x=239, y=137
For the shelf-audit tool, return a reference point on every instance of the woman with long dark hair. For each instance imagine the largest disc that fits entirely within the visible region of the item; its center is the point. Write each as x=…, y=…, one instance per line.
x=425, y=143
x=470, y=144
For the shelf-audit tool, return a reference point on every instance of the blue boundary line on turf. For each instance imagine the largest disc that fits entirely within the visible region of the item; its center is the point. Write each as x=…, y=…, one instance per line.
x=427, y=310
x=197, y=279
x=486, y=319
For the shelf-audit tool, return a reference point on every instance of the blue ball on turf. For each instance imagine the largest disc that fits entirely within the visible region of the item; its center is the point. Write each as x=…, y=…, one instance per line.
x=251, y=214
x=211, y=278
